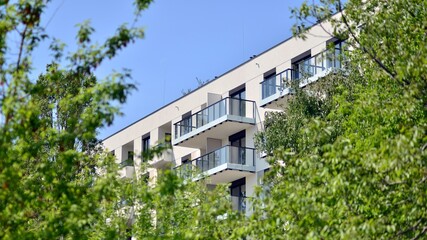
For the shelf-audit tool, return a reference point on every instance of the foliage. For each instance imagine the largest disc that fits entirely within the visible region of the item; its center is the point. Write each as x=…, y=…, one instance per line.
x=348, y=157
x=302, y=107
x=171, y=209
x=56, y=180
x=54, y=176
x=200, y=83
x=185, y=210
x=355, y=168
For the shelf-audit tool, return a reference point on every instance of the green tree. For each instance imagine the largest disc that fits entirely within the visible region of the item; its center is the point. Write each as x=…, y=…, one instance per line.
x=55, y=178
x=182, y=209
x=357, y=170
x=169, y=207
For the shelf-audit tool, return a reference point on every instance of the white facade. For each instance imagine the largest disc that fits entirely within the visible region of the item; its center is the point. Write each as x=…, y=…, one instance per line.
x=212, y=128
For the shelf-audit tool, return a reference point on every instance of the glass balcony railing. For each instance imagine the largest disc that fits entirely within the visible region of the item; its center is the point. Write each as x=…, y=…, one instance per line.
x=329, y=59
x=126, y=163
x=238, y=203
x=276, y=83
x=186, y=170
x=226, y=155
x=126, y=168
x=163, y=156
x=226, y=106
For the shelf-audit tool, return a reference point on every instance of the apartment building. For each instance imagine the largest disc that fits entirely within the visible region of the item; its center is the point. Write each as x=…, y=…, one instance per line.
x=211, y=130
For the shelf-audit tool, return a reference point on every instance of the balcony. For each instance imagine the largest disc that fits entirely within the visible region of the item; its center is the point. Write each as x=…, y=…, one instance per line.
x=227, y=116
x=311, y=69
x=127, y=169
x=163, y=160
x=277, y=87
x=223, y=165
x=275, y=91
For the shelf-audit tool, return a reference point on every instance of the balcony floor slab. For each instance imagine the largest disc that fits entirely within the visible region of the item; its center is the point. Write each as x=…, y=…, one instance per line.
x=226, y=173
x=219, y=128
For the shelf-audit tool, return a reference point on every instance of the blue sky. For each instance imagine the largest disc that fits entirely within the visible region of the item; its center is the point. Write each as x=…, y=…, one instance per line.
x=185, y=40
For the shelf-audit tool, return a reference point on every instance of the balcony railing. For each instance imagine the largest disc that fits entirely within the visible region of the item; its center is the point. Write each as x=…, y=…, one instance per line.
x=276, y=83
x=235, y=156
x=165, y=156
x=127, y=168
x=127, y=163
x=238, y=203
x=227, y=106
x=329, y=59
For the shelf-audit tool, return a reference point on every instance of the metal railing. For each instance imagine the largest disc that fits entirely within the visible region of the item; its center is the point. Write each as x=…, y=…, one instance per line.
x=276, y=83
x=226, y=106
x=331, y=58
x=227, y=154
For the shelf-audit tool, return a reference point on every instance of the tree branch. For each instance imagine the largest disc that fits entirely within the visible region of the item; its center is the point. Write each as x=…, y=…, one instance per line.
x=421, y=233
x=320, y=20
x=21, y=47
x=393, y=183
x=364, y=49
x=411, y=228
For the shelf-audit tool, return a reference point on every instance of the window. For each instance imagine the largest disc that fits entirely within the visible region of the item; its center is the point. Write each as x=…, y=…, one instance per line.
x=269, y=85
x=298, y=64
x=168, y=139
x=186, y=124
x=238, y=195
x=303, y=68
x=186, y=167
x=130, y=157
x=238, y=139
x=237, y=149
x=335, y=55
x=145, y=147
x=240, y=94
x=185, y=160
x=146, y=144
x=237, y=106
